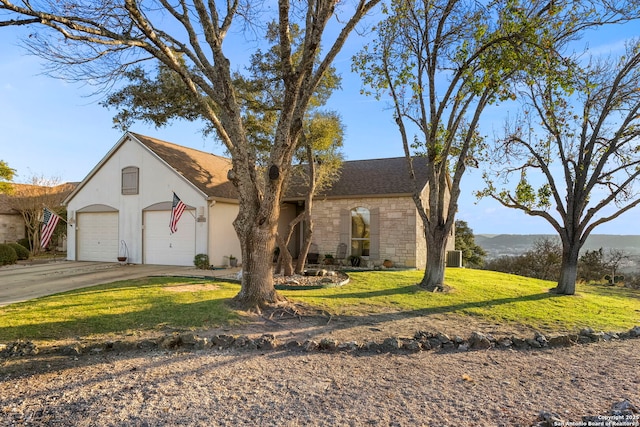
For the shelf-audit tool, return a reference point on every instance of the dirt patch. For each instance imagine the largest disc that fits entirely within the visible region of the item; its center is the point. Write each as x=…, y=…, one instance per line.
x=191, y=287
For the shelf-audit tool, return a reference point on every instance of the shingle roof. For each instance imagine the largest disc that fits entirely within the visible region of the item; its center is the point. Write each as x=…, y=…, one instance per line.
x=376, y=177
x=21, y=189
x=206, y=171
x=5, y=205
x=358, y=178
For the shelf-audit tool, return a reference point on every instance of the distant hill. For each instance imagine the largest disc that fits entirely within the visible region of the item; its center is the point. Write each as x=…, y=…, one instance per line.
x=514, y=244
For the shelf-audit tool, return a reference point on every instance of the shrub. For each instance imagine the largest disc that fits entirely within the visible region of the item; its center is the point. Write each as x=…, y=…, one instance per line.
x=8, y=255
x=25, y=242
x=21, y=251
x=201, y=261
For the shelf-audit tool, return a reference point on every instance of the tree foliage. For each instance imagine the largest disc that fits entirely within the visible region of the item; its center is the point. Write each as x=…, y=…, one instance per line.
x=6, y=176
x=543, y=261
x=104, y=39
x=164, y=98
x=319, y=162
x=574, y=151
x=472, y=254
x=441, y=63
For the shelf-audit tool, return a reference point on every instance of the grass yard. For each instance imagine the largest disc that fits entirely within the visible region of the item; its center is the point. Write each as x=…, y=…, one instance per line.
x=496, y=296
x=120, y=308
x=154, y=303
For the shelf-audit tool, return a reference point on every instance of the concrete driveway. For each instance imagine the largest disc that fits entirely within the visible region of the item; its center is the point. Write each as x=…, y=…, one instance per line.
x=25, y=282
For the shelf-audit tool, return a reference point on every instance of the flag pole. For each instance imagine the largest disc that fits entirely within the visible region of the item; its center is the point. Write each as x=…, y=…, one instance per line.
x=55, y=213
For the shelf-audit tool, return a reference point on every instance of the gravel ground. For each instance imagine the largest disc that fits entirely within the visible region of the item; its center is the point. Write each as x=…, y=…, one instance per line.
x=282, y=388
x=293, y=388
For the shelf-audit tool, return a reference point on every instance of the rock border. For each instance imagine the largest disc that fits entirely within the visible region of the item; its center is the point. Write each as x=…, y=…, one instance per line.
x=421, y=341
x=286, y=287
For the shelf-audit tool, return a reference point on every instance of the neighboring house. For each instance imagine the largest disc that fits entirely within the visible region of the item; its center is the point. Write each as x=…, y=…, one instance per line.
x=11, y=222
x=371, y=210
x=28, y=197
x=125, y=201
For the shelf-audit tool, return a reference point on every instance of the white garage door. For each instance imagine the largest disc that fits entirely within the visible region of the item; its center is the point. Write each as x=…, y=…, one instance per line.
x=97, y=236
x=163, y=248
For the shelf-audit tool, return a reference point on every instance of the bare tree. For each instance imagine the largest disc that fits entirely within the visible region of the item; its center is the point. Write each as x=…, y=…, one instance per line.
x=575, y=151
x=107, y=37
x=442, y=62
x=320, y=162
x=31, y=199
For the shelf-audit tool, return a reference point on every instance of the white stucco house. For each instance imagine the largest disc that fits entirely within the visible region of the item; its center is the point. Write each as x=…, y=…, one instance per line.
x=123, y=206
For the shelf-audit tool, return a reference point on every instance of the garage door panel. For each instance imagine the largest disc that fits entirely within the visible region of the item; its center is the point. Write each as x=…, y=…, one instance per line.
x=162, y=247
x=97, y=236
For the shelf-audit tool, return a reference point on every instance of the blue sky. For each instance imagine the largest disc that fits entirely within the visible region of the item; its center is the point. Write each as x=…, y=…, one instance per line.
x=52, y=128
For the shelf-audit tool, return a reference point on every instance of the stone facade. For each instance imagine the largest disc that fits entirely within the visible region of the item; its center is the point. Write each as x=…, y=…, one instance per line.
x=11, y=228
x=400, y=236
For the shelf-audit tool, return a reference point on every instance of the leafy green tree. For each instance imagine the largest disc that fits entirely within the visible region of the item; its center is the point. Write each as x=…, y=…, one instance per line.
x=579, y=167
x=6, y=176
x=442, y=62
x=472, y=254
x=100, y=40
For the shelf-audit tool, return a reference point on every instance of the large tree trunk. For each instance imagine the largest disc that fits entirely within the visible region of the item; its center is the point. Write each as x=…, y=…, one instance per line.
x=256, y=226
x=568, y=270
x=257, y=290
x=433, y=279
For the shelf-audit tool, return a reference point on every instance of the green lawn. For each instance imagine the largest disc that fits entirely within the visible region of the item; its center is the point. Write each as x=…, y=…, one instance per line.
x=151, y=304
x=496, y=296
x=120, y=307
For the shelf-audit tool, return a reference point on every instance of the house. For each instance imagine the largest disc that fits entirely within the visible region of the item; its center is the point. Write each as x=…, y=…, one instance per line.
x=370, y=209
x=123, y=208
x=29, y=198
x=11, y=222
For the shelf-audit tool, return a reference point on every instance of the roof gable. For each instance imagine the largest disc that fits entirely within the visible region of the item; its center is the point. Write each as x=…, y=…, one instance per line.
x=205, y=171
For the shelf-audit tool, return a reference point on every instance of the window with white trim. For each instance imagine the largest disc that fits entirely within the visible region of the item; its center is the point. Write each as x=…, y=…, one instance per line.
x=360, y=231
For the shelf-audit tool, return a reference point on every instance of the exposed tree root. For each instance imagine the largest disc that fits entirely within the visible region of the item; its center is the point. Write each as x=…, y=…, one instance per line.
x=440, y=287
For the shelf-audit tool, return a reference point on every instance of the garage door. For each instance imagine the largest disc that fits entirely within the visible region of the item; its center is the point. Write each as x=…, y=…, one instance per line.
x=97, y=236
x=163, y=248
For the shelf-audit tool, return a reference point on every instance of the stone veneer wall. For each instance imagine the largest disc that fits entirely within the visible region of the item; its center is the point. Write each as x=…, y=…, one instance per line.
x=398, y=231
x=11, y=228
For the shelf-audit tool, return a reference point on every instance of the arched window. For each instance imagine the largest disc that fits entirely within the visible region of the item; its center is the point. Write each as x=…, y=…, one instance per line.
x=360, y=231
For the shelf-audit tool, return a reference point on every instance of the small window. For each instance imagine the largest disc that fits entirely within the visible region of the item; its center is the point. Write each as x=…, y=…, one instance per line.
x=360, y=231
x=130, y=180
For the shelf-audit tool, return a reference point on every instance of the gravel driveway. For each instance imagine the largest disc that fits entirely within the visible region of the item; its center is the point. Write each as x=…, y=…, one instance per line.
x=291, y=389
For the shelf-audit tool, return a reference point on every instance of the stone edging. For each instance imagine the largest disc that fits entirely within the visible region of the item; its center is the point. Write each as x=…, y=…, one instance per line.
x=421, y=341
x=285, y=287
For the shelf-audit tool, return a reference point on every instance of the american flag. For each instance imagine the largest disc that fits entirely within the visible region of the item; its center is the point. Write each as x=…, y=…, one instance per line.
x=177, y=208
x=48, y=226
